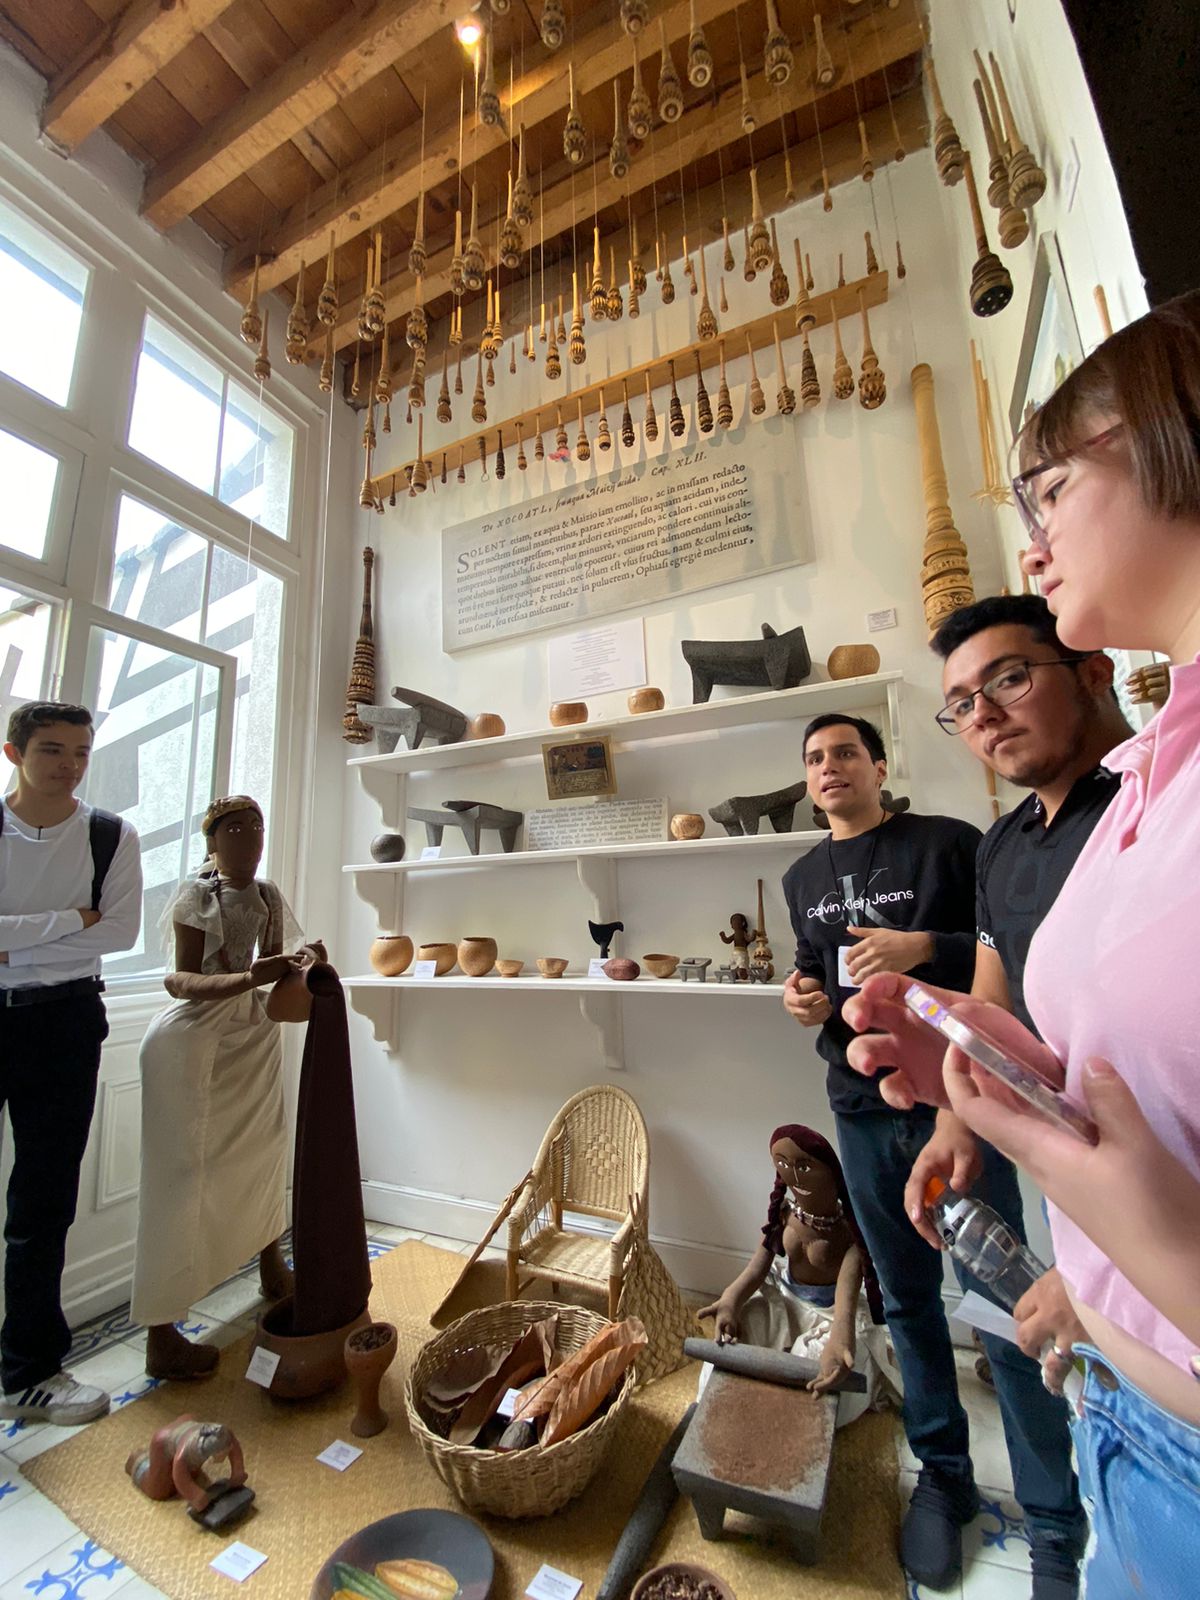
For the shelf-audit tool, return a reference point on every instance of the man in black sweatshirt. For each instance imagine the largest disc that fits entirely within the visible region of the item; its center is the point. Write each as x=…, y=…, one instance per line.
x=896, y=893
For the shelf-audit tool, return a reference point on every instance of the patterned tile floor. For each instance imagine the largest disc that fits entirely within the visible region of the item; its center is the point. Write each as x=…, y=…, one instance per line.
x=43, y=1553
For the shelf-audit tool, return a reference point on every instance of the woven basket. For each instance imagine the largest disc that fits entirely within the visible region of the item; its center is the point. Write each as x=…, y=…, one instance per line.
x=518, y=1483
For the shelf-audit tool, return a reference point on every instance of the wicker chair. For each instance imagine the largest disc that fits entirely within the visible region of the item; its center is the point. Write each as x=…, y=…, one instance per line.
x=594, y=1158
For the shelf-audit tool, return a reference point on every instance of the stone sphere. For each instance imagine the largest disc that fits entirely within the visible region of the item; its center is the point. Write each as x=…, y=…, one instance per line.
x=387, y=847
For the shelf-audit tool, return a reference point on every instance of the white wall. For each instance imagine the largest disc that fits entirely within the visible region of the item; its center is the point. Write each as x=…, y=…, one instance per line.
x=456, y=1113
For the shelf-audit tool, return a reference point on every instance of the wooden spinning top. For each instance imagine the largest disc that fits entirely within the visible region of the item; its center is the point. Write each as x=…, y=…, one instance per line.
x=670, y=89
x=561, y=444
x=724, y=403
x=651, y=421
x=553, y=361
x=843, y=375
x=810, y=384
x=779, y=289
x=778, y=59
x=675, y=419
x=947, y=148
x=786, y=398
x=699, y=56
x=758, y=401
x=704, y=416
x=991, y=285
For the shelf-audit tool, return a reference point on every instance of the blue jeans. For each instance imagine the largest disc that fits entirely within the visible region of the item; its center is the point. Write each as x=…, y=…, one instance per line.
x=878, y=1150
x=1141, y=1468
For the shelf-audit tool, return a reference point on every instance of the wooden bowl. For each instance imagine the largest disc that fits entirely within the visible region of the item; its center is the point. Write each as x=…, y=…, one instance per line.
x=509, y=969
x=659, y=966
x=563, y=713
x=444, y=954
x=391, y=954
x=687, y=825
x=487, y=725
x=552, y=966
x=476, y=955
x=646, y=699
x=681, y=1569
x=852, y=661
x=621, y=969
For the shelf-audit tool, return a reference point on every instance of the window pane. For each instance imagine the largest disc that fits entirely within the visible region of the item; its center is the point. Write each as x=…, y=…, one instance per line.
x=42, y=288
x=29, y=477
x=256, y=460
x=158, y=570
x=176, y=417
x=154, y=762
x=24, y=642
x=245, y=616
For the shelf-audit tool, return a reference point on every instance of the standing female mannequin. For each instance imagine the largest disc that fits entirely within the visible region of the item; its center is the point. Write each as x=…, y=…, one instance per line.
x=214, y=1137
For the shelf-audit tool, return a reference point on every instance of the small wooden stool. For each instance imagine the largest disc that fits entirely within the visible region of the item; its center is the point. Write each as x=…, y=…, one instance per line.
x=761, y=1449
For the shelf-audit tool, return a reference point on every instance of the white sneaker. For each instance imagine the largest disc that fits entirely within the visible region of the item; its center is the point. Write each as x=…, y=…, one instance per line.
x=58, y=1399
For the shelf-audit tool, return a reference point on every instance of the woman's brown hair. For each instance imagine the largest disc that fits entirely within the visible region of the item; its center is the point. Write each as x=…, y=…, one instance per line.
x=1148, y=375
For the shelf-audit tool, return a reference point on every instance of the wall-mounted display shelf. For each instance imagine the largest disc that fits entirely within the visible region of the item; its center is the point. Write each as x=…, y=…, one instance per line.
x=572, y=983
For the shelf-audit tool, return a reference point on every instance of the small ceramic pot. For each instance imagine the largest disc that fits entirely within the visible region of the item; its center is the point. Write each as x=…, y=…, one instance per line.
x=509, y=969
x=852, y=661
x=565, y=712
x=552, y=966
x=476, y=955
x=309, y=1364
x=645, y=700
x=444, y=954
x=696, y=1580
x=370, y=1351
x=621, y=969
x=660, y=966
x=687, y=825
x=387, y=847
x=487, y=725
x=392, y=954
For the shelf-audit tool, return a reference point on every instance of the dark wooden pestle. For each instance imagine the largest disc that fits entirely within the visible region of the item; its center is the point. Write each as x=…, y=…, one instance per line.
x=659, y=1494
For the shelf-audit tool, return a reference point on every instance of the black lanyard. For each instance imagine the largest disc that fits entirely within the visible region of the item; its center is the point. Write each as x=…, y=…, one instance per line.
x=870, y=863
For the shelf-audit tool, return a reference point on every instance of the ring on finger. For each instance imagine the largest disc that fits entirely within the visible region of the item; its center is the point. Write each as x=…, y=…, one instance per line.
x=1063, y=1355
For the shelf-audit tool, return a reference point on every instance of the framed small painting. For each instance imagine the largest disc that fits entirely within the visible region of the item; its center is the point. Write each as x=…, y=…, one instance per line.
x=579, y=768
x=1050, y=346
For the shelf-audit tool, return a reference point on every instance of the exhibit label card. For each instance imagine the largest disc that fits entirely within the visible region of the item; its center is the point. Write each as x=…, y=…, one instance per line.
x=262, y=1367
x=596, y=823
x=551, y=1584
x=238, y=1561
x=596, y=969
x=339, y=1455
x=598, y=660
x=424, y=969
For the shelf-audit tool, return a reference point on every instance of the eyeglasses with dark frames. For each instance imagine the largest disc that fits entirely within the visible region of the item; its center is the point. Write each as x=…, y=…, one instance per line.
x=1028, y=490
x=1013, y=682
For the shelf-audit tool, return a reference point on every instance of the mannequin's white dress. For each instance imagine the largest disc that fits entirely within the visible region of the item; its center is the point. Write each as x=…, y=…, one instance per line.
x=214, y=1135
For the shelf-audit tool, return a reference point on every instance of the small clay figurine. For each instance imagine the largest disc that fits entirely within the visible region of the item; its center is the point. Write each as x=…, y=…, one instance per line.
x=802, y=1289
x=602, y=933
x=762, y=957
x=173, y=1464
x=740, y=940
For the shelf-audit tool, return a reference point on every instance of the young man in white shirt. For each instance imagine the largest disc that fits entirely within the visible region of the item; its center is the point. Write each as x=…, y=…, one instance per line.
x=70, y=893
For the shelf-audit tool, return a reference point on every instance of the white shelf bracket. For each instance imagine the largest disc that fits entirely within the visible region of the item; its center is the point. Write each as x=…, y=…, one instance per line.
x=899, y=762
x=381, y=1007
x=598, y=876
x=603, y=1014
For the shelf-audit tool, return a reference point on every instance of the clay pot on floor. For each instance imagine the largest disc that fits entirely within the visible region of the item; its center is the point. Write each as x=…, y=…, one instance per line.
x=445, y=955
x=369, y=1352
x=476, y=955
x=310, y=1363
x=564, y=713
x=392, y=954
x=642, y=700
x=852, y=661
x=687, y=825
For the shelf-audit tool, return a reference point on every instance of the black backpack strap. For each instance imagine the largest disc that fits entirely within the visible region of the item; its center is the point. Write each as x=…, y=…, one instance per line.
x=104, y=835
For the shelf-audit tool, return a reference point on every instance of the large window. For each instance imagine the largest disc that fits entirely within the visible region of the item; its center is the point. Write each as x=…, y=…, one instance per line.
x=26, y=629
x=42, y=286
x=30, y=478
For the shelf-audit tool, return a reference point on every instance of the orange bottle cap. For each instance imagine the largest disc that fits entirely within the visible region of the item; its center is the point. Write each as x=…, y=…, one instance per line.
x=934, y=1190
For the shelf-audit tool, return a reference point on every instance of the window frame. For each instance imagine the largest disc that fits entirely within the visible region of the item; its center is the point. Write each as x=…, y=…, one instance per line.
x=37, y=219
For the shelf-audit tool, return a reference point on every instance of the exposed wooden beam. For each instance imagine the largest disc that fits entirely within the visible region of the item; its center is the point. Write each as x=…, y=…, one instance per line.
x=348, y=54
x=698, y=133
x=130, y=51
x=382, y=182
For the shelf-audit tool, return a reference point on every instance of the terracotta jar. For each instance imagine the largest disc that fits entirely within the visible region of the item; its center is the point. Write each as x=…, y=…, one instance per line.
x=621, y=969
x=509, y=969
x=566, y=712
x=309, y=1364
x=392, y=954
x=687, y=825
x=444, y=954
x=646, y=699
x=852, y=661
x=387, y=847
x=476, y=955
x=659, y=966
x=552, y=966
x=369, y=1352
x=487, y=725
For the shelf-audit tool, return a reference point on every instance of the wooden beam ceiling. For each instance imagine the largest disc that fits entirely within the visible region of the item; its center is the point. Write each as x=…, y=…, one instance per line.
x=697, y=133
x=347, y=55
x=130, y=51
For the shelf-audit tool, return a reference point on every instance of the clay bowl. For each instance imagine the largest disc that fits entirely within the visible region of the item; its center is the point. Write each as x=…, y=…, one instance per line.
x=552, y=966
x=487, y=725
x=444, y=954
x=476, y=955
x=309, y=1364
x=647, y=699
x=566, y=712
x=387, y=847
x=621, y=969
x=391, y=954
x=659, y=966
x=687, y=825
x=681, y=1569
x=509, y=969
x=852, y=661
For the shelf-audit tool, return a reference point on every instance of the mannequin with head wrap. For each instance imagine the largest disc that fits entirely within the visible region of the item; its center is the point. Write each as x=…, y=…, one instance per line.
x=214, y=1157
x=810, y=1287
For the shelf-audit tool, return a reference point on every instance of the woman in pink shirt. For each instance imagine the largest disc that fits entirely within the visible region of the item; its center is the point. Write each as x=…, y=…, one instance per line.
x=1110, y=492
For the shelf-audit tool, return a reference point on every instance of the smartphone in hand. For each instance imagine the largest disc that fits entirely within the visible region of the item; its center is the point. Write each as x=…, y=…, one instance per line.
x=1018, y=1076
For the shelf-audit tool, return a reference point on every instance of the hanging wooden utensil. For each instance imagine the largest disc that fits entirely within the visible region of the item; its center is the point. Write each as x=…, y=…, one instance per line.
x=843, y=375
x=614, y=305
x=628, y=436
x=901, y=269
x=779, y=289
x=810, y=384
x=479, y=399
x=872, y=258
x=461, y=475
x=704, y=416
x=354, y=374
x=872, y=381
x=598, y=298
x=251, y=326
x=603, y=437
x=789, y=187
x=1027, y=181
x=667, y=289
x=724, y=402
x=670, y=89
x=699, y=56
x=458, y=378
x=634, y=16
x=361, y=690
x=758, y=401
x=474, y=261
x=376, y=305
x=562, y=326
x=760, y=238
x=325, y=380
x=778, y=59
x=296, y=329
x=512, y=358
x=651, y=421
x=640, y=113
x=749, y=115
x=808, y=272
x=510, y=235
x=618, y=151
x=786, y=398
x=637, y=272
x=947, y=148
x=706, y=322
x=522, y=196
x=562, y=448
x=583, y=450
x=823, y=69
x=416, y=331
x=574, y=134
x=262, y=361
x=483, y=466
x=457, y=283
x=577, y=348
x=727, y=260
x=539, y=448
x=991, y=284
x=748, y=271
x=675, y=418
x=805, y=315
x=383, y=383
x=327, y=300
x=867, y=166
x=417, y=254
x=553, y=28
x=499, y=468
x=722, y=298
x=553, y=360
x=420, y=467
x=416, y=388
x=489, y=95
x=1011, y=224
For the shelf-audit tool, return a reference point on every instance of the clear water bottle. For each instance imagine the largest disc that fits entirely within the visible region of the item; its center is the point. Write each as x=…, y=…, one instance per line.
x=985, y=1244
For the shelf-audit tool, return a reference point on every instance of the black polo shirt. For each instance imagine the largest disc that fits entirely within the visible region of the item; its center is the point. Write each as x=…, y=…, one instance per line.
x=1022, y=865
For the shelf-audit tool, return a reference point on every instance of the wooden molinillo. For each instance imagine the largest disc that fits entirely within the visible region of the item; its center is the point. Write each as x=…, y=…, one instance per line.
x=945, y=571
x=362, y=669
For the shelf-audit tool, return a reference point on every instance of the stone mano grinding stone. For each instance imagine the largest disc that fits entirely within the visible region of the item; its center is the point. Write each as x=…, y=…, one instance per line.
x=771, y=1366
x=761, y=1449
x=659, y=1493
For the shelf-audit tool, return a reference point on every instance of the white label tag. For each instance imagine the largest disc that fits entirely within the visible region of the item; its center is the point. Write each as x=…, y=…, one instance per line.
x=431, y=852
x=262, y=1367
x=424, y=969
x=508, y=1404
x=845, y=981
x=339, y=1455
x=596, y=968
x=551, y=1584
x=877, y=621
x=238, y=1561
